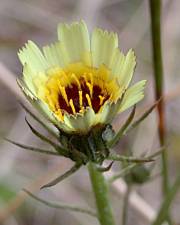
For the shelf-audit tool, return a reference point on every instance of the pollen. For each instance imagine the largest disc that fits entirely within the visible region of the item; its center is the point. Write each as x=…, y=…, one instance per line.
x=76, y=88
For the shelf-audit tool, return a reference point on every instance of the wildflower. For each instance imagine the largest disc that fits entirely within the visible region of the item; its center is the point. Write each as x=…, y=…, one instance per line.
x=78, y=82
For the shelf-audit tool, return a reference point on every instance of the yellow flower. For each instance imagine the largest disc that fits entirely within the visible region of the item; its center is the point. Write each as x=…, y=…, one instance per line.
x=79, y=82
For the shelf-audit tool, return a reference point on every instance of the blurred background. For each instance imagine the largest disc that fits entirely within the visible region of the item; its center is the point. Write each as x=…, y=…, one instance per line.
x=37, y=20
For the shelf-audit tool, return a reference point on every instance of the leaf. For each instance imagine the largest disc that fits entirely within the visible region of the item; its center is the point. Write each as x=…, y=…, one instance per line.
x=128, y=159
x=120, y=133
x=123, y=158
x=39, y=121
x=39, y=135
x=31, y=148
x=143, y=117
x=63, y=176
x=60, y=149
x=61, y=205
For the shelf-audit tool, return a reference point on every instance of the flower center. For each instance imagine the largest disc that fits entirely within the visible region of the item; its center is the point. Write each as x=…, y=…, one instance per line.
x=75, y=88
x=82, y=96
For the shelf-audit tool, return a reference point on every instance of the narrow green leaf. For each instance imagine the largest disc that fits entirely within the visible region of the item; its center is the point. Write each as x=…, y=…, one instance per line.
x=39, y=135
x=122, y=158
x=128, y=159
x=143, y=117
x=164, y=209
x=30, y=148
x=60, y=149
x=63, y=176
x=62, y=205
x=157, y=153
x=53, y=133
x=120, y=133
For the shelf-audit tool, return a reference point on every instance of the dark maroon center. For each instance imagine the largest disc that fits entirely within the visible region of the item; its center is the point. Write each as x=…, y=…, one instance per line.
x=72, y=92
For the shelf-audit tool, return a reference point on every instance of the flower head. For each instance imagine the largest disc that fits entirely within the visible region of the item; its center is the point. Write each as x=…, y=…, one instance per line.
x=79, y=82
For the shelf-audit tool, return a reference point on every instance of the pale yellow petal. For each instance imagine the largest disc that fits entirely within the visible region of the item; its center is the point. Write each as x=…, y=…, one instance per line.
x=28, y=76
x=31, y=55
x=101, y=116
x=126, y=70
x=117, y=63
x=53, y=54
x=103, y=45
x=133, y=95
x=75, y=41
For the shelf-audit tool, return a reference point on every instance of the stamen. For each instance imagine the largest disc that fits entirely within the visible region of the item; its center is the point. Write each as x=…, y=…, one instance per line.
x=63, y=92
x=90, y=88
x=101, y=99
x=89, y=100
x=80, y=99
x=72, y=106
x=77, y=81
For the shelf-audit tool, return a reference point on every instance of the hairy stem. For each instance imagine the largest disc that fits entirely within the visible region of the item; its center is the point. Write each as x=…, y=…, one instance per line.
x=100, y=189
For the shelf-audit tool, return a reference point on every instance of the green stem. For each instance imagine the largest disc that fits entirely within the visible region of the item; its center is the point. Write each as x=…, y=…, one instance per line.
x=100, y=189
x=155, y=9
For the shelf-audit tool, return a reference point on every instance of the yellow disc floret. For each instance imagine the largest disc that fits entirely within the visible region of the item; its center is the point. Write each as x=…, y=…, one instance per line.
x=77, y=87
